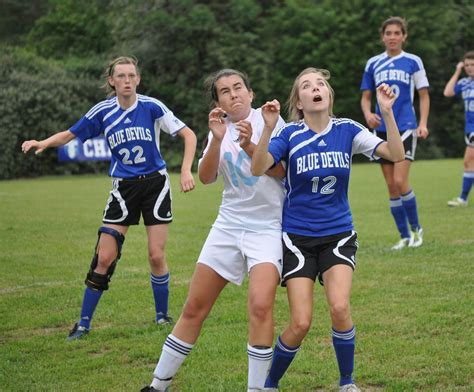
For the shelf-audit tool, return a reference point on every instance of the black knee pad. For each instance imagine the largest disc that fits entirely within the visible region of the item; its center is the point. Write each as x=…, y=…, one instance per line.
x=101, y=281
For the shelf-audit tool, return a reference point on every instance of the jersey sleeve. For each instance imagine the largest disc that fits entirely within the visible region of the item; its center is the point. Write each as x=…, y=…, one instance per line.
x=167, y=120
x=368, y=82
x=87, y=128
x=365, y=142
x=419, y=76
x=278, y=146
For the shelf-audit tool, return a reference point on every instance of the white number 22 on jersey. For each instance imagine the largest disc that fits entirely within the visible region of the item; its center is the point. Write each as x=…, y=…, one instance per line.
x=137, y=150
x=326, y=189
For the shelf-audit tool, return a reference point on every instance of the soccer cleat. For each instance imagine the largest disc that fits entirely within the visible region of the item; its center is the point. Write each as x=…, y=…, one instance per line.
x=149, y=388
x=77, y=332
x=416, y=239
x=403, y=243
x=349, y=388
x=457, y=202
x=163, y=319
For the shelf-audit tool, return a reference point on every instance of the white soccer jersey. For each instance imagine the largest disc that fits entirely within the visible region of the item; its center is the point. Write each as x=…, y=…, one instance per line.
x=317, y=174
x=404, y=73
x=133, y=134
x=465, y=88
x=250, y=202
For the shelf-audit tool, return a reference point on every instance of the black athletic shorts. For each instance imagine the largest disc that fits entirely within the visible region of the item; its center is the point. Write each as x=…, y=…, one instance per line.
x=409, y=140
x=310, y=257
x=148, y=195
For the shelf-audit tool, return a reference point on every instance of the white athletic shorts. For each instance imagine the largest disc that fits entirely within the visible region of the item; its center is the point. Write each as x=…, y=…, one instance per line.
x=233, y=253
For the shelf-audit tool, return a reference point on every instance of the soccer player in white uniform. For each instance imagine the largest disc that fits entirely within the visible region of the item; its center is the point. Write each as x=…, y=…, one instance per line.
x=465, y=88
x=403, y=72
x=131, y=124
x=318, y=234
x=245, y=238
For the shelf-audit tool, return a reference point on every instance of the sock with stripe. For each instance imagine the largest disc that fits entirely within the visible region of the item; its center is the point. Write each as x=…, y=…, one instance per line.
x=160, y=287
x=259, y=361
x=400, y=217
x=344, y=346
x=173, y=354
x=283, y=355
x=89, y=303
x=409, y=204
x=467, y=181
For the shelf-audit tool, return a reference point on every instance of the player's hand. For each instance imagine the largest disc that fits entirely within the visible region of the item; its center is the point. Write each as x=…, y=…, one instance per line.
x=373, y=120
x=187, y=181
x=460, y=66
x=217, y=123
x=422, y=132
x=385, y=97
x=271, y=113
x=38, y=146
x=245, y=132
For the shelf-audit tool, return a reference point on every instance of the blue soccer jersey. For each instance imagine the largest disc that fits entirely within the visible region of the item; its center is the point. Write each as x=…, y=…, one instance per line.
x=465, y=88
x=317, y=170
x=133, y=134
x=404, y=73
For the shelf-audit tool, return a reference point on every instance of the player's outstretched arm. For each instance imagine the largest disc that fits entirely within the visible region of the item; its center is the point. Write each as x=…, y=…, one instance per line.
x=56, y=140
x=393, y=149
x=190, y=141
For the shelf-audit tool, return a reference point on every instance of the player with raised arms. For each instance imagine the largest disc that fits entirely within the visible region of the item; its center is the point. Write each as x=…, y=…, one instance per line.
x=403, y=72
x=465, y=89
x=245, y=238
x=131, y=124
x=318, y=233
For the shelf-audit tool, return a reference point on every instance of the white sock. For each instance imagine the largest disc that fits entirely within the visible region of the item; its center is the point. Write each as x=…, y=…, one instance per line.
x=259, y=362
x=173, y=354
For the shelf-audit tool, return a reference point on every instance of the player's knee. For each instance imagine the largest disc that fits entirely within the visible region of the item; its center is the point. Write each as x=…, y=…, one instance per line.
x=340, y=311
x=157, y=258
x=260, y=309
x=300, y=326
x=194, y=311
x=104, y=262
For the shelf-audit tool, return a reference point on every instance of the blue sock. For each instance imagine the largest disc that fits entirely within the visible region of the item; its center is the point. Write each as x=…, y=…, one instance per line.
x=344, y=345
x=160, y=287
x=282, y=357
x=467, y=181
x=89, y=303
x=409, y=204
x=400, y=217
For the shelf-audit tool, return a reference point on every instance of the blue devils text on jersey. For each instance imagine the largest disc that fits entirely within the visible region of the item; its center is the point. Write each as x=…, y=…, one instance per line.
x=133, y=135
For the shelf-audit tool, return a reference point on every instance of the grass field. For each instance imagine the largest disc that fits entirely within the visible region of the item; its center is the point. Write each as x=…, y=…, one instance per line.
x=413, y=309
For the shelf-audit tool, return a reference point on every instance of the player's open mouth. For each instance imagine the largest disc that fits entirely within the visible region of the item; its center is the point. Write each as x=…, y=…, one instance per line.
x=317, y=98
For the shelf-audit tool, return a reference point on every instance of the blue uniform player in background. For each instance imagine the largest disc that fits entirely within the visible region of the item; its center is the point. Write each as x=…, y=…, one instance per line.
x=319, y=240
x=131, y=124
x=465, y=89
x=403, y=72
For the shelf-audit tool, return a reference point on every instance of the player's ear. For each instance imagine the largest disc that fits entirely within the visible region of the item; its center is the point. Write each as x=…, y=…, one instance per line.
x=299, y=106
x=110, y=80
x=138, y=79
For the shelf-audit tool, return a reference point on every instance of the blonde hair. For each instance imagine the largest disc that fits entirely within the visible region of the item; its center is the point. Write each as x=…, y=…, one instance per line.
x=296, y=114
x=109, y=71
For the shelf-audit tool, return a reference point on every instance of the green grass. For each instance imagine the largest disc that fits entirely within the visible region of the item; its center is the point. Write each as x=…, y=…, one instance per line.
x=413, y=309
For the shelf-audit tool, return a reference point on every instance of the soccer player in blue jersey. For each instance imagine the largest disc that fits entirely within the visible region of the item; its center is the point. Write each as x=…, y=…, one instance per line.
x=245, y=238
x=465, y=88
x=404, y=72
x=131, y=124
x=318, y=234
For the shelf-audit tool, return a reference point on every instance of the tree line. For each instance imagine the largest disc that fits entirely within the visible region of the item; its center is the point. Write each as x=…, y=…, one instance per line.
x=54, y=52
